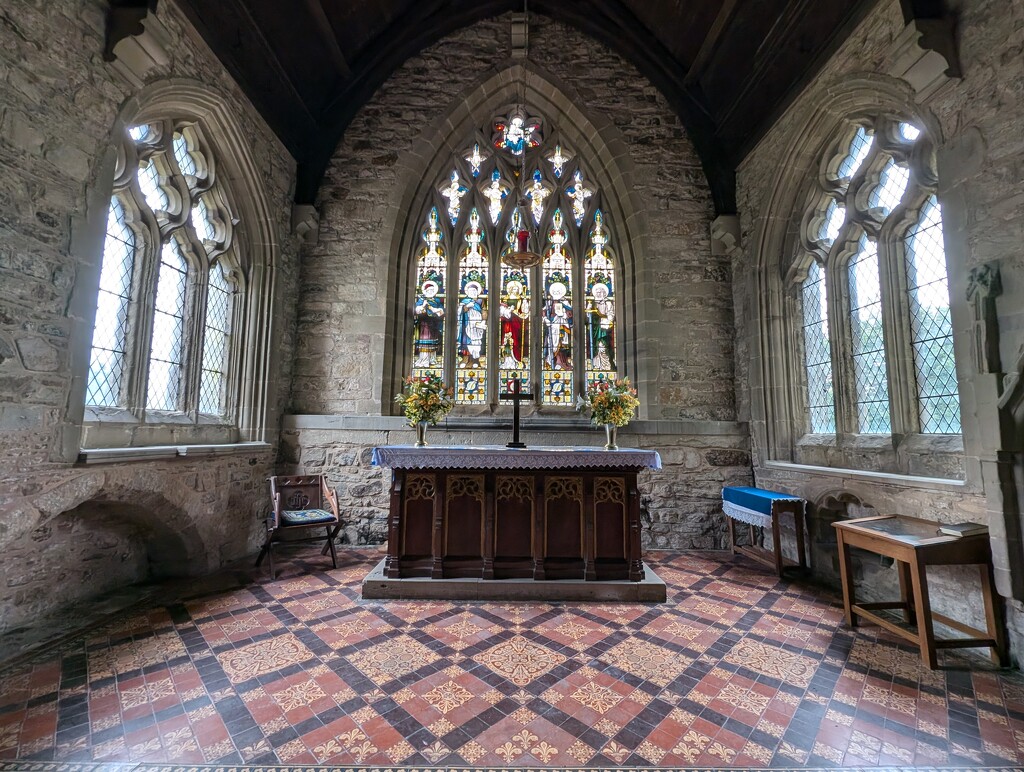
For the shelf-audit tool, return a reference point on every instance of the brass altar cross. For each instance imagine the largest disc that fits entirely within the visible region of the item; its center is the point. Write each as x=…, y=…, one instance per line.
x=516, y=395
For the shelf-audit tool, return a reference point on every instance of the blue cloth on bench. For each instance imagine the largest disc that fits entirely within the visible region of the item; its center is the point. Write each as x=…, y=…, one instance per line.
x=752, y=505
x=306, y=517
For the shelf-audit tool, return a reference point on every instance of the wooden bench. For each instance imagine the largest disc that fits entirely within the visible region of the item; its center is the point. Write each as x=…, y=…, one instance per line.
x=762, y=508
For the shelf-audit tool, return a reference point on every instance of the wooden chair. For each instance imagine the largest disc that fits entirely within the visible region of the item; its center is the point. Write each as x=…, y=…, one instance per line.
x=301, y=501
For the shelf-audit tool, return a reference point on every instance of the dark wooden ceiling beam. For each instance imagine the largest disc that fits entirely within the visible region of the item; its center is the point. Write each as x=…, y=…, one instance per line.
x=710, y=44
x=330, y=40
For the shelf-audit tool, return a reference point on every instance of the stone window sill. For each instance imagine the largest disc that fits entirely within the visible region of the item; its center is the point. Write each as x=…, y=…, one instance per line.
x=164, y=452
x=903, y=480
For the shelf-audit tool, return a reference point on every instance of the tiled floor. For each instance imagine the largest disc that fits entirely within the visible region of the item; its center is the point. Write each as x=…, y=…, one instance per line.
x=737, y=669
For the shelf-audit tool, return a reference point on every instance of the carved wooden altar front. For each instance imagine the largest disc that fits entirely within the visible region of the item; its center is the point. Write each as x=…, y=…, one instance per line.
x=555, y=514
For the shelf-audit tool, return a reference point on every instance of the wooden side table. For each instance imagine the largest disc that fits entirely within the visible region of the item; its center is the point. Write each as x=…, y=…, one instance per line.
x=916, y=544
x=761, y=508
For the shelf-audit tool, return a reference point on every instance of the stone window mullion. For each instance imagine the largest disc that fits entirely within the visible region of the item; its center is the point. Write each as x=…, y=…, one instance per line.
x=843, y=378
x=899, y=354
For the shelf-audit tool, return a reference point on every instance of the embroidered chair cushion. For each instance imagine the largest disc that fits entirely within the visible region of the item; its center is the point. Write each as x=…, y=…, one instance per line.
x=306, y=517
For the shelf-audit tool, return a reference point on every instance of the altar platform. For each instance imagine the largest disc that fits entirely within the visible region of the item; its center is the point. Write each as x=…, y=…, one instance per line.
x=537, y=523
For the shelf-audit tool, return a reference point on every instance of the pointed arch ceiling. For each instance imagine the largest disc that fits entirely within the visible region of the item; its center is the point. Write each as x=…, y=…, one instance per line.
x=727, y=67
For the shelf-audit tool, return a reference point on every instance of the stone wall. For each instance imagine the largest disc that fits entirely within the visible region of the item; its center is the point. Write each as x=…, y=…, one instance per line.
x=67, y=532
x=349, y=285
x=976, y=123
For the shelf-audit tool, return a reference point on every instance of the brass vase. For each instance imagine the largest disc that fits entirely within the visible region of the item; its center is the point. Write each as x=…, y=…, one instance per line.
x=610, y=433
x=421, y=434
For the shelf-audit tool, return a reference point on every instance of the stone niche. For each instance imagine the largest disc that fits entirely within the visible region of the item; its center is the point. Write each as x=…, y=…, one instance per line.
x=84, y=553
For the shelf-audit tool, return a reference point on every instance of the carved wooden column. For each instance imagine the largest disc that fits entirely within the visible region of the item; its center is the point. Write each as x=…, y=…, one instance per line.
x=437, y=542
x=539, y=510
x=636, y=565
x=391, y=564
x=487, y=572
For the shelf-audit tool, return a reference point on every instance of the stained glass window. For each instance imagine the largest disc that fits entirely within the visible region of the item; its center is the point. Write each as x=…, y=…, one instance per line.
x=930, y=324
x=428, y=308
x=599, y=278
x=557, y=369
x=818, y=352
x=508, y=322
x=471, y=335
x=107, y=360
x=869, y=360
x=186, y=310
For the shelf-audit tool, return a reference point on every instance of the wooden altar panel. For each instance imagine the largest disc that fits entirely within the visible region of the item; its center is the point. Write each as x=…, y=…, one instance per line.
x=493, y=524
x=463, y=525
x=563, y=527
x=513, y=527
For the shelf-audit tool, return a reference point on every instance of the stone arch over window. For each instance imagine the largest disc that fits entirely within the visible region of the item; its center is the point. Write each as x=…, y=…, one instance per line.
x=177, y=304
x=614, y=217
x=857, y=302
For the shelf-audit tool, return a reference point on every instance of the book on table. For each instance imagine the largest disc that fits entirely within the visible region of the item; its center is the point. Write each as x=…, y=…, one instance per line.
x=963, y=529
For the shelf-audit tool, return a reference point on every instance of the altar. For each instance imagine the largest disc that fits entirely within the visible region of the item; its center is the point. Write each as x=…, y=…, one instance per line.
x=569, y=515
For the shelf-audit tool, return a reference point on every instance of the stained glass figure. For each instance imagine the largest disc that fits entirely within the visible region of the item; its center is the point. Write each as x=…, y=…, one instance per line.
x=428, y=307
x=578, y=193
x=537, y=194
x=557, y=369
x=558, y=159
x=599, y=276
x=514, y=335
x=474, y=158
x=471, y=351
x=517, y=133
x=495, y=192
x=454, y=191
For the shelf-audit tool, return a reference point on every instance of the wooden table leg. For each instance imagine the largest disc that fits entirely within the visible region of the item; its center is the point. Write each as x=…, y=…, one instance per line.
x=993, y=616
x=732, y=533
x=846, y=576
x=925, y=632
x=798, y=522
x=906, y=592
x=776, y=542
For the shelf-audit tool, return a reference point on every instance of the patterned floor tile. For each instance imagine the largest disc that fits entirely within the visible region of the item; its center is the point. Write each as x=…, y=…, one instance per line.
x=301, y=671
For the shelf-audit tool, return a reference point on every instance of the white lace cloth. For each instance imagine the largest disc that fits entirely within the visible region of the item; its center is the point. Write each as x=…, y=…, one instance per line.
x=497, y=457
x=736, y=512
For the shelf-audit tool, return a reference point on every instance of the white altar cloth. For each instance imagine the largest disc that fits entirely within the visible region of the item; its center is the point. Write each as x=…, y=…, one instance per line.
x=499, y=457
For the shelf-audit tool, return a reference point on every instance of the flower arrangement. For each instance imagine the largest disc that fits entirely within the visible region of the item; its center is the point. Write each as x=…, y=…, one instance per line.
x=425, y=399
x=611, y=402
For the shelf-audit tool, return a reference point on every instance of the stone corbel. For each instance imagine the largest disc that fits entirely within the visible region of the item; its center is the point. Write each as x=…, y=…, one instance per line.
x=136, y=40
x=925, y=55
x=520, y=35
x=725, y=234
x=306, y=223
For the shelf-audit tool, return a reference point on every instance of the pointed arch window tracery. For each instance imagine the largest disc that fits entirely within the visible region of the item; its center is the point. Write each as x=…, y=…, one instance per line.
x=555, y=325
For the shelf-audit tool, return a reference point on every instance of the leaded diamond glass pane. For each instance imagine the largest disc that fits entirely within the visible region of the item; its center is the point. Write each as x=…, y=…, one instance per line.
x=181, y=154
x=891, y=186
x=110, y=330
x=202, y=223
x=216, y=340
x=818, y=352
x=909, y=131
x=835, y=216
x=149, y=182
x=165, y=355
x=860, y=146
x=869, y=362
x=930, y=324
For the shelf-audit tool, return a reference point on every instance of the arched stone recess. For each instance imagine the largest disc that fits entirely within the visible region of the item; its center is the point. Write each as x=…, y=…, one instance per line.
x=96, y=532
x=242, y=175
x=776, y=364
x=610, y=167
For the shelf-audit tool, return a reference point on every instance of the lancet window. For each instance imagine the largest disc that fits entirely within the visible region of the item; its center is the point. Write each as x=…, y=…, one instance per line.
x=871, y=276
x=554, y=326
x=166, y=316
